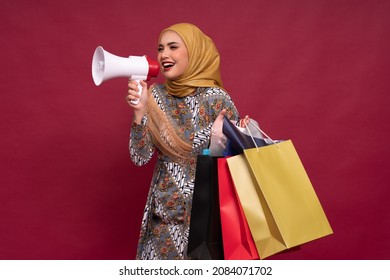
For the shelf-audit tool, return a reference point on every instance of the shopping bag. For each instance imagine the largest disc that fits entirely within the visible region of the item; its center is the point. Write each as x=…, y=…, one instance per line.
x=287, y=211
x=228, y=139
x=238, y=243
x=263, y=228
x=289, y=193
x=205, y=236
x=240, y=139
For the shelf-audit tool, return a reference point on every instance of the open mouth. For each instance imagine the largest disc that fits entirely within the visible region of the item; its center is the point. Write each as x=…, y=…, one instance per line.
x=167, y=65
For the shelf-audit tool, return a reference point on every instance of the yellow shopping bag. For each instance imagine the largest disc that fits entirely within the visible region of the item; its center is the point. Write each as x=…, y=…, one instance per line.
x=279, y=202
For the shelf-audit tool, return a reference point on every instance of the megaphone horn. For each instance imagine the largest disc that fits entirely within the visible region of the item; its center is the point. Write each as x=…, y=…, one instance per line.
x=107, y=66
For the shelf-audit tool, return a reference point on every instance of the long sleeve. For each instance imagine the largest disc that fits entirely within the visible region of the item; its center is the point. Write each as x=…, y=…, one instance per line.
x=141, y=147
x=168, y=207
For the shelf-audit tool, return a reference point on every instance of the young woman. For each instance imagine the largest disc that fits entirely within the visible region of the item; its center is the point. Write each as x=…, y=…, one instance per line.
x=174, y=119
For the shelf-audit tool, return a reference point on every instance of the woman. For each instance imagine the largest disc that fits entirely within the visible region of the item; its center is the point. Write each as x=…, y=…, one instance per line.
x=175, y=119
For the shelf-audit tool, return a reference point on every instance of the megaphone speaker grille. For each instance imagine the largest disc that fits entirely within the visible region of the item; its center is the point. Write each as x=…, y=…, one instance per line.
x=98, y=66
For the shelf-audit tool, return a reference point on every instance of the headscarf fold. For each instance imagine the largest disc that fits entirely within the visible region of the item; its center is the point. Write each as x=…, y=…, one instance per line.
x=165, y=137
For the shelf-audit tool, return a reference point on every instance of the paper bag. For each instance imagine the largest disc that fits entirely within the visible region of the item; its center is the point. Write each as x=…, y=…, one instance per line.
x=205, y=236
x=279, y=202
x=237, y=140
x=238, y=243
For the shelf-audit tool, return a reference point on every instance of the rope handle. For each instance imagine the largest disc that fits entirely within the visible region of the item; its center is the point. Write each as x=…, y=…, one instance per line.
x=259, y=129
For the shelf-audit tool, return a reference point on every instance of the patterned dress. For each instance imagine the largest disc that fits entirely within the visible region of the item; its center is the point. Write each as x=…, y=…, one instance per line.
x=166, y=219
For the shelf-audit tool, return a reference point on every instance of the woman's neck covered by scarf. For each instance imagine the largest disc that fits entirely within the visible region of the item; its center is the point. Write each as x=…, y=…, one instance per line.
x=203, y=65
x=203, y=71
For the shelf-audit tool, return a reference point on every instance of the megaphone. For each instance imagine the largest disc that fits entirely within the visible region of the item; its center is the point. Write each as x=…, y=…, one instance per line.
x=107, y=66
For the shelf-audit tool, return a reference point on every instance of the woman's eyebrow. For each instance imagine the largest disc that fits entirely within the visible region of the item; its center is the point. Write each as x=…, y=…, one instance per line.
x=169, y=44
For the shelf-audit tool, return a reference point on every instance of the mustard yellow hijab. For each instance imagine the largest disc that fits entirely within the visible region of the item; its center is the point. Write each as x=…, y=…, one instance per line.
x=203, y=65
x=202, y=71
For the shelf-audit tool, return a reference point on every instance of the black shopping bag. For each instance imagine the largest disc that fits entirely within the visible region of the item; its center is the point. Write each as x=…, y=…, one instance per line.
x=205, y=235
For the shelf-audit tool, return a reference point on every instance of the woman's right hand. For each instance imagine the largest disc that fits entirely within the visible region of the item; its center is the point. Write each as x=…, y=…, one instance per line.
x=133, y=95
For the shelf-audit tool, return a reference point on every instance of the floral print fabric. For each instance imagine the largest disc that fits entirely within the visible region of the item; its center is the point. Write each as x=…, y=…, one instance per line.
x=166, y=220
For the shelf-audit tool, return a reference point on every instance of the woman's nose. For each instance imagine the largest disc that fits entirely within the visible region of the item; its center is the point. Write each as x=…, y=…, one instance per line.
x=165, y=53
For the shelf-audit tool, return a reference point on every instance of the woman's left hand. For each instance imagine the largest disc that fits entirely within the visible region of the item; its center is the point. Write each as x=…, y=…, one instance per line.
x=244, y=122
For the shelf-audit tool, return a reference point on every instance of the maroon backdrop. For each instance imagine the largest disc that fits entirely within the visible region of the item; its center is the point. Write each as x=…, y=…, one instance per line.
x=316, y=72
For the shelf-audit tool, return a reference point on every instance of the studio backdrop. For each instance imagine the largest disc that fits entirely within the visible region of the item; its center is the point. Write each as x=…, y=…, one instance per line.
x=316, y=72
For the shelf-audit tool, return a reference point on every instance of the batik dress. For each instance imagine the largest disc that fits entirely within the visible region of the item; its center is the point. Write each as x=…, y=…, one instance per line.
x=166, y=219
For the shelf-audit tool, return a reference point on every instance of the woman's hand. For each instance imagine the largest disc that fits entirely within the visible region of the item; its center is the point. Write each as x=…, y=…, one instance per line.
x=134, y=95
x=244, y=122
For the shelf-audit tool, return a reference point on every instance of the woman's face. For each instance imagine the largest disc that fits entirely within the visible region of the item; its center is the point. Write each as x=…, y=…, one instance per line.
x=172, y=55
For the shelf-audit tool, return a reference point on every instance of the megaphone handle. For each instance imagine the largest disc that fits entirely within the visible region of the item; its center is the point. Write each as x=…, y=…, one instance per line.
x=135, y=102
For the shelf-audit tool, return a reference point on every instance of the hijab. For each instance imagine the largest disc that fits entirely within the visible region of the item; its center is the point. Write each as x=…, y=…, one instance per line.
x=202, y=71
x=203, y=65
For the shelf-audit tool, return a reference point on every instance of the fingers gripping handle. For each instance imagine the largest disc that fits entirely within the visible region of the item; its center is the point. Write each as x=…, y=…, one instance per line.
x=135, y=102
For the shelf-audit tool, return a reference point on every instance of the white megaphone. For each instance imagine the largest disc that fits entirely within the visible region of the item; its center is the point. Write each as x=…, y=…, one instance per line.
x=106, y=66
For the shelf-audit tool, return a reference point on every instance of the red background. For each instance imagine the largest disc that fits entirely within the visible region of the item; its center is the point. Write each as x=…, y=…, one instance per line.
x=316, y=72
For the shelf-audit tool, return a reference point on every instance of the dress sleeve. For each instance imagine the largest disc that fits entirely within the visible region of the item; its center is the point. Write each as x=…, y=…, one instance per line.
x=224, y=102
x=141, y=147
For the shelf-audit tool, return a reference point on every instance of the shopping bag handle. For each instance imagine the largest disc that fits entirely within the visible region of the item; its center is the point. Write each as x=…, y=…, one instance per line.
x=259, y=129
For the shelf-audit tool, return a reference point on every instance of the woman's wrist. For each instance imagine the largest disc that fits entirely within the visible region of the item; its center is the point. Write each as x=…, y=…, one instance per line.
x=139, y=118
